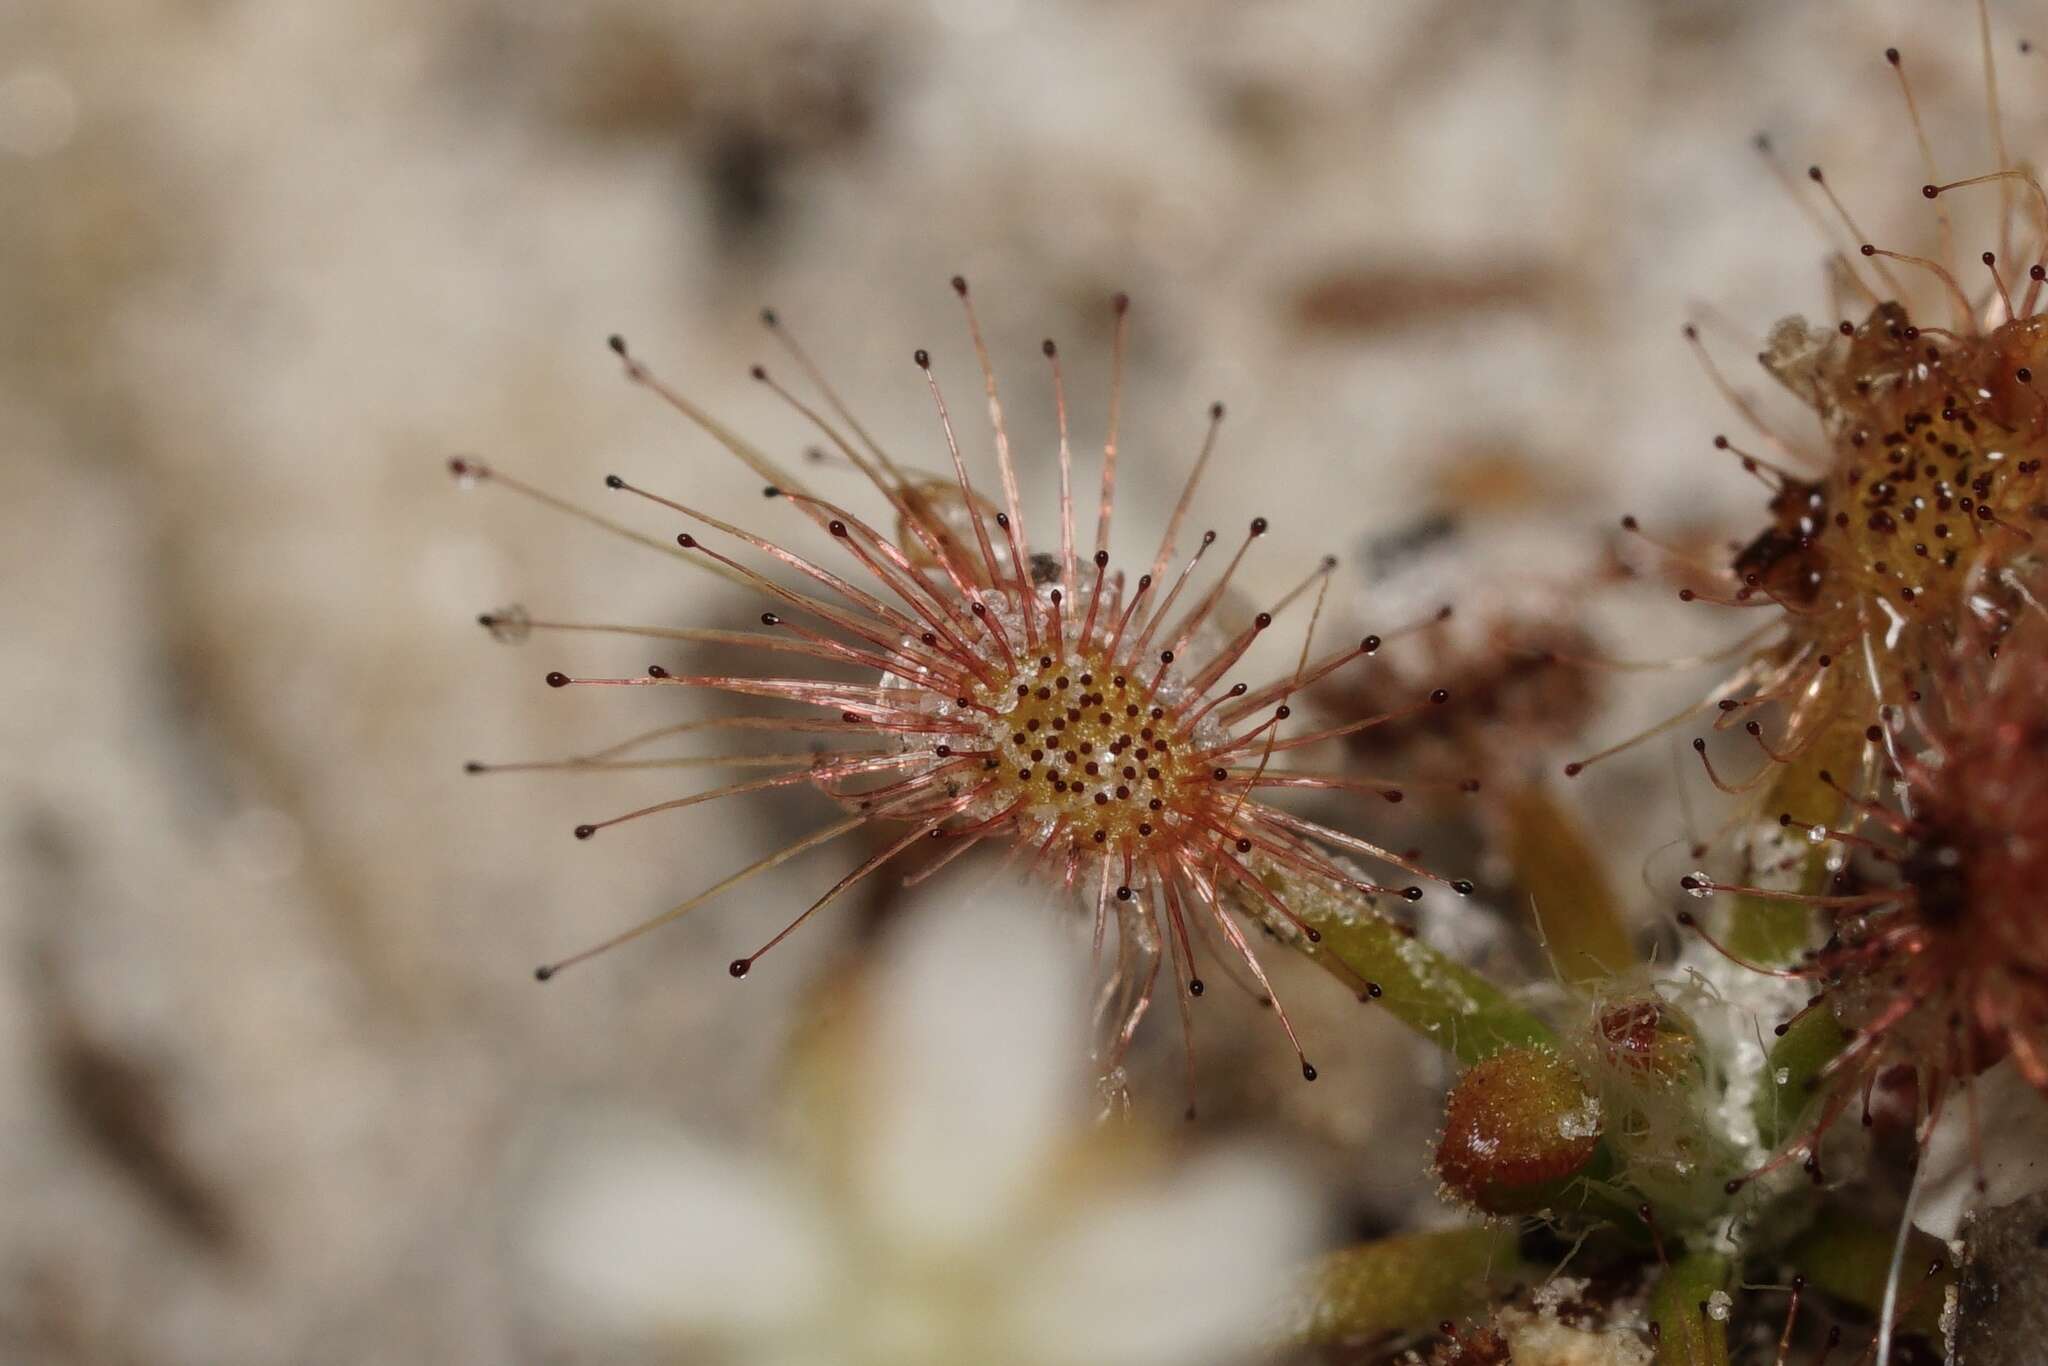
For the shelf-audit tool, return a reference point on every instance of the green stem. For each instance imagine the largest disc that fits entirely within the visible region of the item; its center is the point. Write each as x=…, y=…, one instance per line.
x=1688, y=1334
x=1850, y=1259
x=1401, y=1284
x=1761, y=930
x=1563, y=881
x=1799, y=1056
x=1765, y=930
x=1423, y=989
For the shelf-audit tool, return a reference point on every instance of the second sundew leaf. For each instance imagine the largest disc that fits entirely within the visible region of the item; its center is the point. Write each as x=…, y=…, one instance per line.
x=1424, y=989
x=1564, y=886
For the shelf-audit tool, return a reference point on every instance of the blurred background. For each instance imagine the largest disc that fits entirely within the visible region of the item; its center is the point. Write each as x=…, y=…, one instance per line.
x=273, y=1067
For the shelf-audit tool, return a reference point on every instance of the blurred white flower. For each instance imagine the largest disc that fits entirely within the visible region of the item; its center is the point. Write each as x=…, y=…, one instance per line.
x=950, y=1199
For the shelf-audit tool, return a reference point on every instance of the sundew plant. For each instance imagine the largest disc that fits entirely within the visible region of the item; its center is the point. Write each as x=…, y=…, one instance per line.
x=1747, y=1118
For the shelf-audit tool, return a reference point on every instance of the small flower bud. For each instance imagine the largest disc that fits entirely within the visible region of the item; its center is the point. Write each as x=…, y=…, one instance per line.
x=1516, y=1126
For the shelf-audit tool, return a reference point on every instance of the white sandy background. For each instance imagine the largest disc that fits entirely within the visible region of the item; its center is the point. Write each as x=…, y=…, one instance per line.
x=271, y=1060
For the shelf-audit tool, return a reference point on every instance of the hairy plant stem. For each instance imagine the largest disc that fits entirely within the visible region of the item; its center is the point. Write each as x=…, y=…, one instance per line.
x=1400, y=1284
x=1688, y=1333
